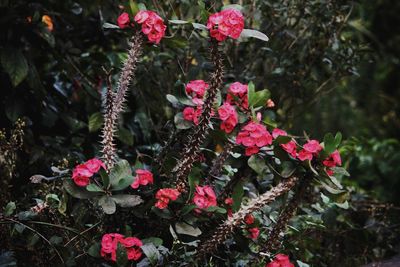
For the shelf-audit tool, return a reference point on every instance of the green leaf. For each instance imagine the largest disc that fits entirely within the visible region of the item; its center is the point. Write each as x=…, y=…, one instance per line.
x=199, y=26
x=127, y=201
x=151, y=253
x=340, y=171
x=331, y=189
x=329, y=143
x=288, y=168
x=121, y=175
x=237, y=196
x=104, y=178
x=186, y=229
x=216, y=209
x=95, y=121
x=134, y=7
x=178, y=21
x=93, y=188
x=76, y=191
x=15, y=64
x=173, y=100
x=181, y=123
x=187, y=208
x=345, y=205
x=259, y=98
x=257, y=164
x=194, y=179
x=338, y=139
x=107, y=204
x=9, y=209
x=125, y=136
x=107, y=25
x=94, y=250
x=156, y=241
x=283, y=139
x=122, y=257
x=247, y=33
x=233, y=6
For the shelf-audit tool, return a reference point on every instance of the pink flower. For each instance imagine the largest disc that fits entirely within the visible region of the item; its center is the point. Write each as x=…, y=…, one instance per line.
x=254, y=136
x=164, y=196
x=249, y=219
x=280, y=260
x=270, y=103
x=123, y=20
x=152, y=25
x=229, y=117
x=204, y=197
x=133, y=253
x=143, y=177
x=109, y=246
x=228, y=22
x=254, y=232
x=333, y=160
x=237, y=94
x=312, y=146
x=94, y=165
x=290, y=148
x=196, y=88
x=191, y=114
x=304, y=155
x=278, y=132
x=229, y=201
x=131, y=241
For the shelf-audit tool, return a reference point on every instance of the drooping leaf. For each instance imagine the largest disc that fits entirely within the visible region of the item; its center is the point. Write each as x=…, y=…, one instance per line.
x=186, y=229
x=107, y=25
x=257, y=164
x=107, y=204
x=94, y=188
x=151, y=253
x=95, y=121
x=15, y=64
x=76, y=191
x=181, y=123
x=121, y=175
x=246, y=33
x=127, y=201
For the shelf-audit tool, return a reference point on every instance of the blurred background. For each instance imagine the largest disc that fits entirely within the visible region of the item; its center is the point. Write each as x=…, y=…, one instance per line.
x=331, y=65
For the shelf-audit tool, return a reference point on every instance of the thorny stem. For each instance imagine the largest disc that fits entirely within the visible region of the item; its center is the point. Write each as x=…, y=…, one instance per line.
x=232, y=223
x=192, y=148
x=216, y=168
x=114, y=102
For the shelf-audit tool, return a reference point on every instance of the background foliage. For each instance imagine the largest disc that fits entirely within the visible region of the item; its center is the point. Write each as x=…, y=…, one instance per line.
x=330, y=66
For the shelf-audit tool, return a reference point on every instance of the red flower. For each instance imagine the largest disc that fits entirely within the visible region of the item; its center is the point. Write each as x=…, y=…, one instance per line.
x=304, y=155
x=237, y=94
x=229, y=201
x=310, y=149
x=281, y=260
x=290, y=148
x=196, y=89
x=82, y=173
x=229, y=117
x=228, y=22
x=123, y=20
x=164, y=196
x=204, y=197
x=109, y=245
x=191, y=114
x=333, y=160
x=143, y=177
x=278, y=132
x=254, y=232
x=254, y=136
x=249, y=219
x=152, y=25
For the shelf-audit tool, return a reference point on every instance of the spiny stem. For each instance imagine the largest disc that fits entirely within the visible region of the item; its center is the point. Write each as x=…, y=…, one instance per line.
x=114, y=103
x=232, y=223
x=216, y=168
x=192, y=148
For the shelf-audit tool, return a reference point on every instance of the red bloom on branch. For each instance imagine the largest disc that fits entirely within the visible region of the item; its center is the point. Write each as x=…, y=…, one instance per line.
x=123, y=20
x=278, y=132
x=82, y=173
x=249, y=219
x=254, y=232
x=229, y=117
x=310, y=149
x=164, y=196
x=143, y=177
x=152, y=25
x=333, y=160
x=192, y=114
x=204, y=197
x=237, y=94
x=228, y=22
x=196, y=89
x=280, y=260
x=290, y=148
x=254, y=136
x=109, y=246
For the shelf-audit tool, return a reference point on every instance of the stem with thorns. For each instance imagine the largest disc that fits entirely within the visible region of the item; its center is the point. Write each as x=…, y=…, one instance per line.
x=114, y=103
x=192, y=148
x=224, y=230
x=288, y=212
x=216, y=168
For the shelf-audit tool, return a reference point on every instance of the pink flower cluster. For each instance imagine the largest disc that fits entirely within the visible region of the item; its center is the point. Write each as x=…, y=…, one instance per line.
x=164, y=196
x=254, y=136
x=152, y=24
x=82, y=173
x=280, y=260
x=204, y=197
x=228, y=22
x=196, y=89
x=109, y=245
x=237, y=94
x=143, y=177
x=310, y=149
x=192, y=114
x=290, y=147
x=254, y=232
x=333, y=160
x=229, y=117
